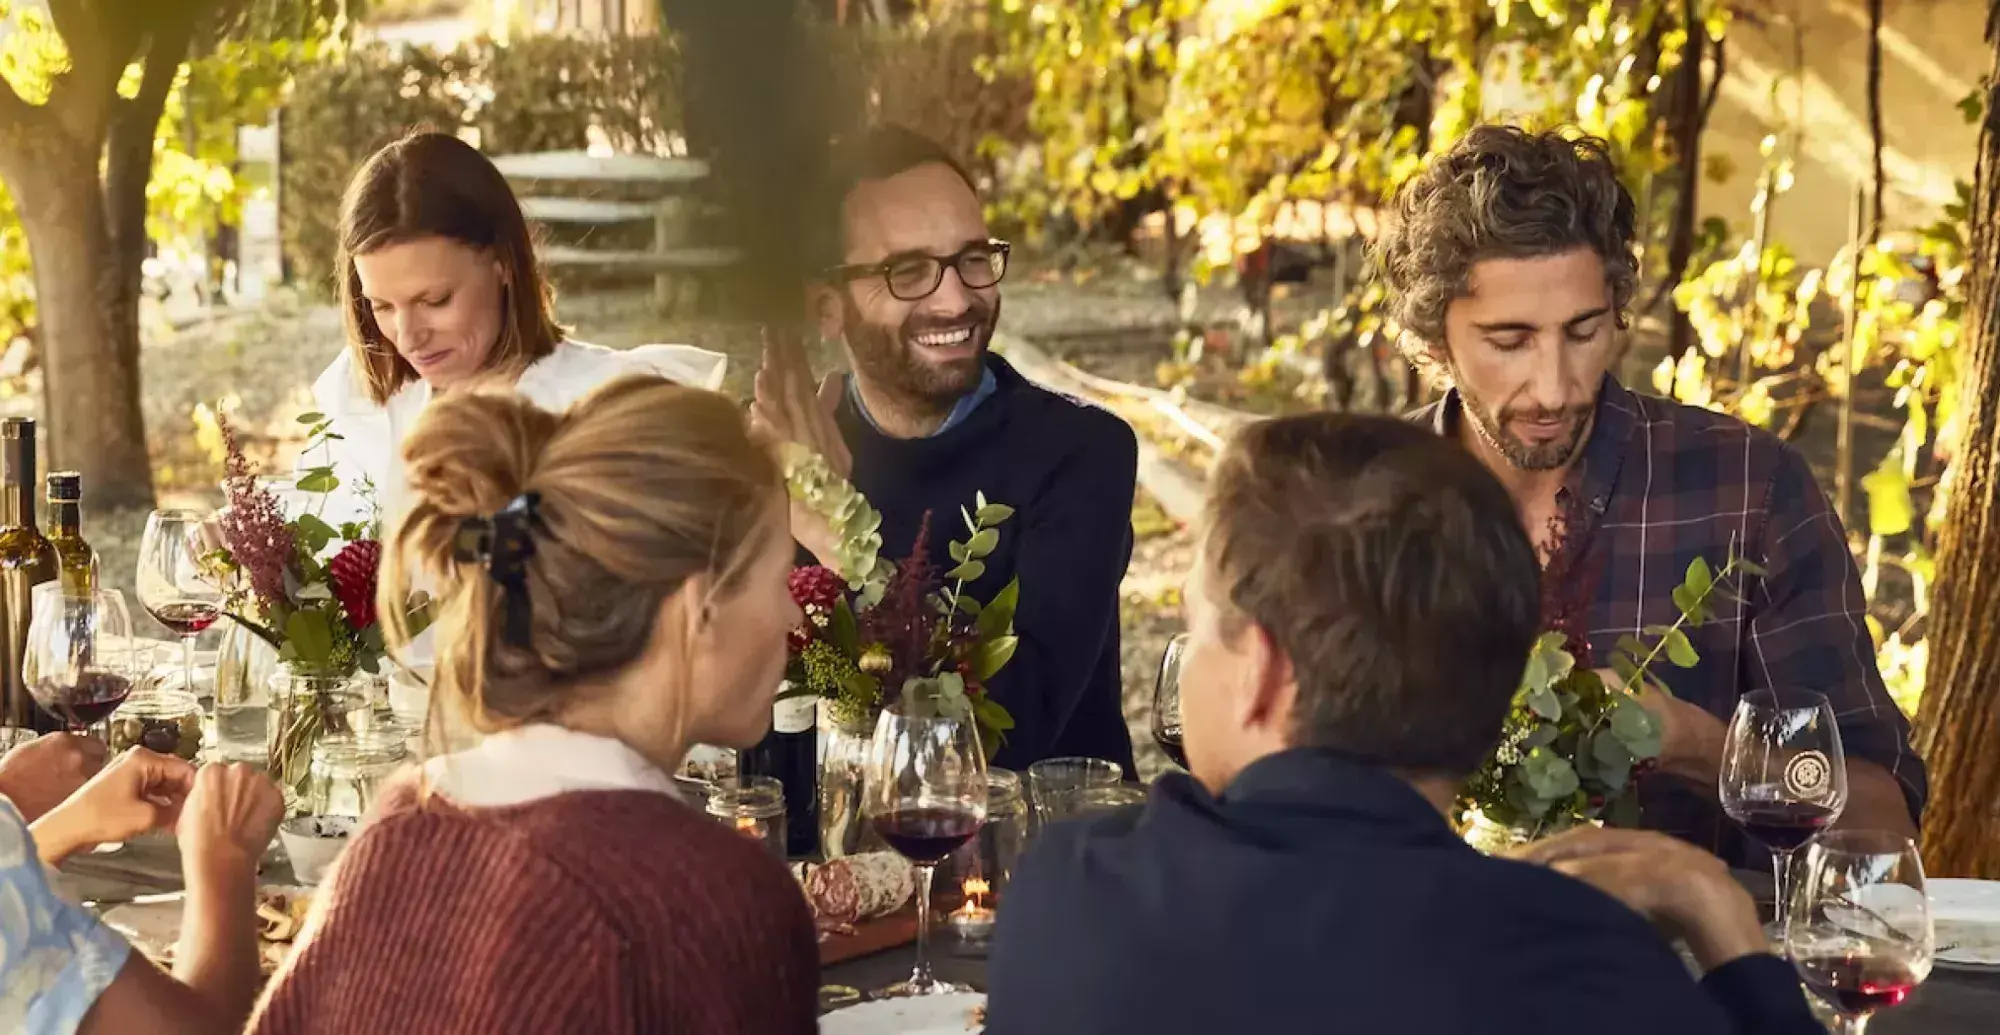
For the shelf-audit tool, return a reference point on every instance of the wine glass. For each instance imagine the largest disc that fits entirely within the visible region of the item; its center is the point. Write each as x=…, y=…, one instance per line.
x=173, y=586
x=1783, y=776
x=1167, y=701
x=1860, y=931
x=79, y=663
x=925, y=794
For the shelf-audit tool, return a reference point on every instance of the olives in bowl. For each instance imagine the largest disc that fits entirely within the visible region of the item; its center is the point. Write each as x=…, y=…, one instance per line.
x=166, y=721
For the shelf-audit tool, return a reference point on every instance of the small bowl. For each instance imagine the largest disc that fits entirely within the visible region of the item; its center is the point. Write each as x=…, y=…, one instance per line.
x=312, y=843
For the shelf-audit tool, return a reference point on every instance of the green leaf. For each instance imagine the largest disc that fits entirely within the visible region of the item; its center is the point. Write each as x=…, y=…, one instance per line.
x=1689, y=603
x=968, y=607
x=311, y=418
x=313, y=534
x=970, y=525
x=309, y=634
x=959, y=553
x=1542, y=736
x=1543, y=702
x=1890, y=509
x=318, y=480
x=1699, y=577
x=1608, y=751
x=1633, y=646
x=992, y=714
x=993, y=656
x=1972, y=106
x=983, y=542
x=1627, y=669
x=970, y=571
x=841, y=630
x=1536, y=675
x=997, y=619
x=994, y=514
x=1679, y=650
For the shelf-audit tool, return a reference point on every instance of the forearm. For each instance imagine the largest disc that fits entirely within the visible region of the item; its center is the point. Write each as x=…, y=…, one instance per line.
x=217, y=956
x=1875, y=801
x=61, y=833
x=1695, y=756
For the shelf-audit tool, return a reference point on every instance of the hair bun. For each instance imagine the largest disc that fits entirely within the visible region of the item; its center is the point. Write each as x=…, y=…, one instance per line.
x=473, y=451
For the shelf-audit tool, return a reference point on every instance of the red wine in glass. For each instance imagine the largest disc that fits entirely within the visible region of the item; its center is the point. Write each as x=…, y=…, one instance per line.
x=1858, y=984
x=1169, y=739
x=926, y=835
x=1782, y=826
x=87, y=699
x=186, y=617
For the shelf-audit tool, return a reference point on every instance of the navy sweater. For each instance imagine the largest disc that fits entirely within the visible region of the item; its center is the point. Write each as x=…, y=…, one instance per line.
x=1318, y=895
x=1068, y=469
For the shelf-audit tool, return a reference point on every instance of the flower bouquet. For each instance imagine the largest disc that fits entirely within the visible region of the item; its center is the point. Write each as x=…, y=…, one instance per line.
x=306, y=588
x=876, y=633
x=1573, y=742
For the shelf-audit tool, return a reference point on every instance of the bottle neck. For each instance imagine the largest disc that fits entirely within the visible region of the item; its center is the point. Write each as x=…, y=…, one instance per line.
x=66, y=517
x=17, y=506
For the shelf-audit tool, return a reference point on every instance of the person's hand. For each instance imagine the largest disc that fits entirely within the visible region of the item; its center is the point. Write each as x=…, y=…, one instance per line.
x=789, y=406
x=1686, y=892
x=139, y=791
x=228, y=820
x=1690, y=738
x=39, y=775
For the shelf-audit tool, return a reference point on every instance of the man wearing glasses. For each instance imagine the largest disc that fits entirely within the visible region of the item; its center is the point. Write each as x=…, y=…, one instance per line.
x=927, y=418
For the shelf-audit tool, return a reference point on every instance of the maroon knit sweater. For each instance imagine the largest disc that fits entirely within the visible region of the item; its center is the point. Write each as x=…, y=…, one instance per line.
x=588, y=912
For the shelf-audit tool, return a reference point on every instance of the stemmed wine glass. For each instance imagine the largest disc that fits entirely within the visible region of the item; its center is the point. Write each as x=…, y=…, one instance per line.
x=1861, y=934
x=1784, y=778
x=1167, y=701
x=925, y=794
x=79, y=663
x=173, y=586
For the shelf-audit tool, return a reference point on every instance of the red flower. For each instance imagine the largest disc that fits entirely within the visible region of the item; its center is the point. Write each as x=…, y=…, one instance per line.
x=815, y=586
x=353, y=572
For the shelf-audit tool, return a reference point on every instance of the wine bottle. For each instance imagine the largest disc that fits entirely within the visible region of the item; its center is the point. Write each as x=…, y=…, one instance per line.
x=76, y=560
x=26, y=560
x=790, y=754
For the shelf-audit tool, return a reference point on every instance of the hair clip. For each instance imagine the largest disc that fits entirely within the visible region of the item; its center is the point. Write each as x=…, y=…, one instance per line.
x=505, y=542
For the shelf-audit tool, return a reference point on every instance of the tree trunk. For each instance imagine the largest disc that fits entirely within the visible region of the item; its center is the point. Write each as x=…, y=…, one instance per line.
x=1687, y=116
x=89, y=323
x=1880, y=181
x=1959, y=722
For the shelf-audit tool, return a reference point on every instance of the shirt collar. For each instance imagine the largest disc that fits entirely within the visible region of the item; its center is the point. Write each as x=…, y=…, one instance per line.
x=1611, y=428
x=538, y=761
x=960, y=410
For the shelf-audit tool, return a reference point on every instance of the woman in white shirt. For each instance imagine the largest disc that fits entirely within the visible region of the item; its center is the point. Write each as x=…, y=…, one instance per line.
x=439, y=288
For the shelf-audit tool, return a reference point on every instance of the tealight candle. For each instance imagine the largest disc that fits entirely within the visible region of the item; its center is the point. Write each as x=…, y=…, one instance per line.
x=755, y=807
x=972, y=921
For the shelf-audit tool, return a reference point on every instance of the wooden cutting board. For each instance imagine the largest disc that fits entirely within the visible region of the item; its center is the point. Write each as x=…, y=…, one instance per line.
x=870, y=937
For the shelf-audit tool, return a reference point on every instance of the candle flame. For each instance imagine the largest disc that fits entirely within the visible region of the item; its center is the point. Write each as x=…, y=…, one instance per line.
x=974, y=888
x=746, y=824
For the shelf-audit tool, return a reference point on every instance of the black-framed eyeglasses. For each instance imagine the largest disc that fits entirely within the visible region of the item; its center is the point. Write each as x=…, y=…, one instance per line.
x=911, y=278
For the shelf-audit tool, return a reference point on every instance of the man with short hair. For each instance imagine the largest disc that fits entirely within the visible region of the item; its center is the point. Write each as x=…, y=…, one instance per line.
x=929, y=418
x=1359, y=614
x=1510, y=266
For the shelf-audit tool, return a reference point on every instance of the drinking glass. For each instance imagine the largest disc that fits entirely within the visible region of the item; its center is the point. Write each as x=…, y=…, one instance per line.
x=79, y=665
x=1055, y=785
x=925, y=794
x=1860, y=933
x=173, y=586
x=1167, y=702
x=1783, y=776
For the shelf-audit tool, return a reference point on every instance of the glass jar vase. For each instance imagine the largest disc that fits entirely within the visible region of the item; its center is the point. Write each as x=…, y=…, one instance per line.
x=348, y=769
x=243, y=670
x=303, y=708
x=843, y=765
x=166, y=721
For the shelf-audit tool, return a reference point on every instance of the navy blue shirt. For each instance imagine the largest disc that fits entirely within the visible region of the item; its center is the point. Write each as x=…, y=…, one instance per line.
x=1069, y=470
x=1321, y=895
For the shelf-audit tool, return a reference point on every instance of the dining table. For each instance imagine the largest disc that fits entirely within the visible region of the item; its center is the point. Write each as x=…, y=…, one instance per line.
x=1949, y=1002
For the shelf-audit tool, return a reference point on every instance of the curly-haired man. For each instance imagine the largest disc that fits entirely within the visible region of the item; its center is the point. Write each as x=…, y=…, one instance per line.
x=1510, y=264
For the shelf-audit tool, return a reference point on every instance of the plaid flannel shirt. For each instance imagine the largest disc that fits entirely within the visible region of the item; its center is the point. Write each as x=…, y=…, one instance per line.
x=1661, y=484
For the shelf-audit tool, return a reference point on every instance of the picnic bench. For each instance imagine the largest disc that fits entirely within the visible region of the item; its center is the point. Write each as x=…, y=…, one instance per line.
x=684, y=273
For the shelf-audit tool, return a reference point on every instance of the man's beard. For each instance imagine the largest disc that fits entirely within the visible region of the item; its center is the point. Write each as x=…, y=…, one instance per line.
x=1540, y=456
x=890, y=360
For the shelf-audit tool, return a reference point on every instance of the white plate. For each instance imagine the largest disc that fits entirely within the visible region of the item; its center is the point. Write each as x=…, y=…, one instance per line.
x=950, y=1014
x=1966, y=915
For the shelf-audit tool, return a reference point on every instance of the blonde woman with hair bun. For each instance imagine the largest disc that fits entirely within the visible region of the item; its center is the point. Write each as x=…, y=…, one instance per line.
x=612, y=590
